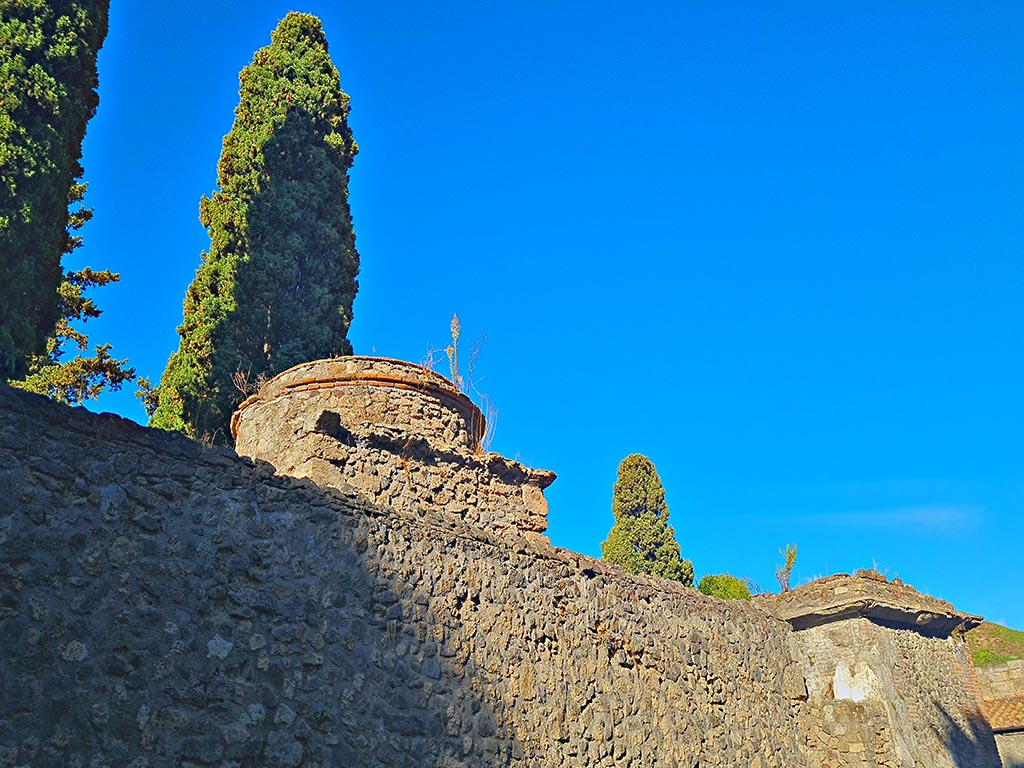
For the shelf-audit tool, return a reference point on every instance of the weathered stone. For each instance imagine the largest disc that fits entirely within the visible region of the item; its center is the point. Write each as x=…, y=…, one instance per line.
x=74, y=651
x=392, y=431
x=203, y=749
x=257, y=713
x=285, y=715
x=794, y=686
x=1002, y=688
x=884, y=680
x=218, y=647
x=867, y=594
x=283, y=750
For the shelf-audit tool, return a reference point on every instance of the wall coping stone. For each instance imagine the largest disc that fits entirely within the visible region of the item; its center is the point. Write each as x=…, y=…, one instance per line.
x=870, y=595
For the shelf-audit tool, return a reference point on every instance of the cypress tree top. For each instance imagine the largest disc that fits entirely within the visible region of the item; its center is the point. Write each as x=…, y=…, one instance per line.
x=641, y=540
x=277, y=285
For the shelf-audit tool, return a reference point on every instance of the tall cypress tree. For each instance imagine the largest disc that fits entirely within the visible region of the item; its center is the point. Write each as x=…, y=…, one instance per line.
x=641, y=540
x=277, y=284
x=48, y=83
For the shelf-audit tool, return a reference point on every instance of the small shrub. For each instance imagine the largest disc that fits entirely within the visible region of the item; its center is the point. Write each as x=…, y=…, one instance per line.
x=725, y=586
x=784, y=571
x=985, y=658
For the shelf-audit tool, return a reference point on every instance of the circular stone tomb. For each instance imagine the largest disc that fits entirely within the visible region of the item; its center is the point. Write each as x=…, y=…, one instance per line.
x=357, y=391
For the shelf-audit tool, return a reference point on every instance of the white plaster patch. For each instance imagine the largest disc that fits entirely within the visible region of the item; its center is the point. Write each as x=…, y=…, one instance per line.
x=856, y=685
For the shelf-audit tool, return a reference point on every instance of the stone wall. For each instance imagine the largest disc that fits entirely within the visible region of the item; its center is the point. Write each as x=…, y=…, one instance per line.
x=169, y=605
x=888, y=675
x=1002, y=680
x=891, y=697
x=1011, y=749
x=375, y=390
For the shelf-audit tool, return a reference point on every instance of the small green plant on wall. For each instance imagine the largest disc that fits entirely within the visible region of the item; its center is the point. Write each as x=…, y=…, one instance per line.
x=784, y=571
x=724, y=585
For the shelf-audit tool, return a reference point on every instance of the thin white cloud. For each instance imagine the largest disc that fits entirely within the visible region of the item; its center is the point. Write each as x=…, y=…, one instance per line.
x=936, y=518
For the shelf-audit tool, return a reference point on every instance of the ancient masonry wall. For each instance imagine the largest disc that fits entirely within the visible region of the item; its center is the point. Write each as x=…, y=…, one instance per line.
x=1000, y=681
x=888, y=697
x=889, y=679
x=1011, y=749
x=166, y=605
x=1002, y=686
x=393, y=432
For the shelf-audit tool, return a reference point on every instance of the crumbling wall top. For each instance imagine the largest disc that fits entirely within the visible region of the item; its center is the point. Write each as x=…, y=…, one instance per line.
x=870, y=595
x=394, y=432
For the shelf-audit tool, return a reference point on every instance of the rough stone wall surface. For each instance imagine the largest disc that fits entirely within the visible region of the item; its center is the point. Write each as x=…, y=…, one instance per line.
x=345, y=437
x=850, y=728
x=935, y=680
x=1011, y=749
x=884, y=696
x=166, y=605
x=1002, y=680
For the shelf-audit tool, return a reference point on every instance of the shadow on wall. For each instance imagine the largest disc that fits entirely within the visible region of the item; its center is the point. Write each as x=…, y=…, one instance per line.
x=167, y=605
x=971, y=745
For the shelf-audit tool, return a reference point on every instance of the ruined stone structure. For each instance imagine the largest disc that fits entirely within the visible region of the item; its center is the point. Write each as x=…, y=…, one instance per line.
x=393, y=432
x=887, y=671
x=169, y=605
x=1002, y=689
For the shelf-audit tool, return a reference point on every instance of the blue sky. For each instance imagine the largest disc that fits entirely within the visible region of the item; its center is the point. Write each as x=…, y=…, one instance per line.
x=777, y=249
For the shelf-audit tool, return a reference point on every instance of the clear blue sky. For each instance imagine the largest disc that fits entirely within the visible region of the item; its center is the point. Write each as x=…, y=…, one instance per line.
x=777, y=249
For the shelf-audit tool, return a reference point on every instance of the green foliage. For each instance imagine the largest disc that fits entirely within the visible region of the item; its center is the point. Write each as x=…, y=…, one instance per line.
x=48, y=84
x=994, y=644
x=724, y=586
x=784, y=571
x=641, y=540
x=987, y=658
x=148, y=394
x=277, y=284
x=81, y=378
